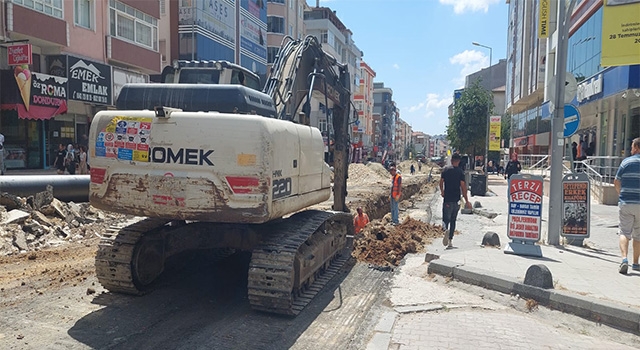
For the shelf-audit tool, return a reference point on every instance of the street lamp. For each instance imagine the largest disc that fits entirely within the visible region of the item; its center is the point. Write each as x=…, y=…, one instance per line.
x=486, y=154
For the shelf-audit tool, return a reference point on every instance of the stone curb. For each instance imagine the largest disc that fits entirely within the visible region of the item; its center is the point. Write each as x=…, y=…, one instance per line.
x=593, y=309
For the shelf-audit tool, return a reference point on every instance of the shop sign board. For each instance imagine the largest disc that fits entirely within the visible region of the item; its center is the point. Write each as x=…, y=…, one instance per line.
x=89, y=81
x=620, y=33
x=576, y=199
x=122, y=77
x=19, y=54
x=525, y=207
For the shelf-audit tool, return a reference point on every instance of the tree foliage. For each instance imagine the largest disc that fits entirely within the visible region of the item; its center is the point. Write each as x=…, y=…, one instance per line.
x=505, y=129
x=467, y=128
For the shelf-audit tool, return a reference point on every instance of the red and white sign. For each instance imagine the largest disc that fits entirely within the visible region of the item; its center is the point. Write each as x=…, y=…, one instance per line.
x=19, y=54
x=525, y=207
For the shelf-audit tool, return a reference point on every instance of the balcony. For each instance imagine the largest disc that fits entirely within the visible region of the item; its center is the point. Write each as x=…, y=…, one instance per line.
x=32, y=24
x=132, y=55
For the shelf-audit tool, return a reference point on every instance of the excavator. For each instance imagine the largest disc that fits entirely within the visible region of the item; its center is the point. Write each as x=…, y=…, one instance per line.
x=204, y=161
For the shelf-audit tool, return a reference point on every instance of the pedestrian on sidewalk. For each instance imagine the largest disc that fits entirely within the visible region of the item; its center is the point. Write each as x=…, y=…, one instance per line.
x=82, y=160
x=627, y=183
x=396, y=193
x=452, y=185
x=513, y=167
x=59, y=162
x=360, y=220
x=412, y=169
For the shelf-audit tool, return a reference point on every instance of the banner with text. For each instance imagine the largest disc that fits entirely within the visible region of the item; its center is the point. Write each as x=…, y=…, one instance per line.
x=494, y=133
x=620, y=33
x=525, y=207
x=543, y=23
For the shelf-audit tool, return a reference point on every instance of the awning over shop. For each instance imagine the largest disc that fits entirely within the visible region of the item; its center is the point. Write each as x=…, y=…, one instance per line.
x=32, y=95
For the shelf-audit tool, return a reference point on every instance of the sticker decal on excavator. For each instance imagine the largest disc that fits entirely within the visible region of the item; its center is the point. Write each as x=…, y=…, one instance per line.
x=281, y=187
x=125, y=138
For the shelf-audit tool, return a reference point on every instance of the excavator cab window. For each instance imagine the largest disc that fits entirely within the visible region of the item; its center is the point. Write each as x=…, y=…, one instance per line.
x=238, y=77
x=199, y=76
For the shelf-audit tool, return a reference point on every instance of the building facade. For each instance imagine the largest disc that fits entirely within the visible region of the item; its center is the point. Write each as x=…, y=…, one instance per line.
x=384, y=111
x=284, y=18
x=231, y=30
x=402, y=139
x=54, y=76
x=363, y=100
x=608, y=98
x=420, y=143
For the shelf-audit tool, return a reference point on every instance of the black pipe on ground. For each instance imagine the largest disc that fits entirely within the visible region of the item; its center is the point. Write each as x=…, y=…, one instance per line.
x=67, y=188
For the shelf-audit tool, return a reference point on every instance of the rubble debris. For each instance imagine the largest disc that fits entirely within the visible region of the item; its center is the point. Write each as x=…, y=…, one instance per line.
x=42, y=221
x=15, y=216
x=382, y=244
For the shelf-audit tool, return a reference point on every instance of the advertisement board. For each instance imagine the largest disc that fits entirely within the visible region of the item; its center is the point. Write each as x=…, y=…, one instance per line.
x=620, y=33
x=218, y=17
x=543, y=19
x=576, y=199
x=525, y=207
x=89, y=81
x=43, y=96
x=19, y=54
x=122, y=77
x=494, y=133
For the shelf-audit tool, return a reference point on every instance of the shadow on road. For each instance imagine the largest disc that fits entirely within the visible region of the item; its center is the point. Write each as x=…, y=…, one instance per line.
x=197, y=304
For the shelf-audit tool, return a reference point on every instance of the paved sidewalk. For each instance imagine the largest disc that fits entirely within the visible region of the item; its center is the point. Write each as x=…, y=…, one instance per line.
x=585, y=276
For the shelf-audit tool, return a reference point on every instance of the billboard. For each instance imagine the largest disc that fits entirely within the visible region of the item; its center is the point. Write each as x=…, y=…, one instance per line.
x=620, y=33
x=89, y=81
x=19, y=54
x=494, y=133
x=218, y=17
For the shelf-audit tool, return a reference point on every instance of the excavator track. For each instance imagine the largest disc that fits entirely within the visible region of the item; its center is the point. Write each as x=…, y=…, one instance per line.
x=116, y=253
x=275, y=261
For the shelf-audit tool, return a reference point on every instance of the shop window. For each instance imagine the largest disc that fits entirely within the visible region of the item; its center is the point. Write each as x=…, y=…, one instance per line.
x=272, y=52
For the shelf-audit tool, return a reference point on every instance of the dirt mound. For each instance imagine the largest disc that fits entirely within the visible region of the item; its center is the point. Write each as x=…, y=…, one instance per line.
x=380, y=170
x=360, y=174
x=383, y=244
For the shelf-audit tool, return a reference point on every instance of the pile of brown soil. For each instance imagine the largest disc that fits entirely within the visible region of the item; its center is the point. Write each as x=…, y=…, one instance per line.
x=382, y=244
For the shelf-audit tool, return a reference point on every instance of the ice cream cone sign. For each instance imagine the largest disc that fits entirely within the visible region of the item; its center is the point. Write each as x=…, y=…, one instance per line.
x=23, y=78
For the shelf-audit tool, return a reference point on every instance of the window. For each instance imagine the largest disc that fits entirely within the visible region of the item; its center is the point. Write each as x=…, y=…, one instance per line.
x=323, y=36
x=290, y=30
x=272, y=52
x=300, y=11
x=276, y=1
x=83, y=13
x=129, y=24
x=48, y=7
x=322, y=125
x=291, y=4
x=275, y=24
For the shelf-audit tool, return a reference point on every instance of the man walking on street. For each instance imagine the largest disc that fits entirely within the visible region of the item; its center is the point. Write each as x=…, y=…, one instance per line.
x=451, y=186
x=513, y=167
x=396, y=192
x=627, y=183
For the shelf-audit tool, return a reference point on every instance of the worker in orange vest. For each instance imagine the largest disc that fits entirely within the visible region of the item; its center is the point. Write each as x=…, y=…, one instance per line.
x=396, y=193
x=360, y=220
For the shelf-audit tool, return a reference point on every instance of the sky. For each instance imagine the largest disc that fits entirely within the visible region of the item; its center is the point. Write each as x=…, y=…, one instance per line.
x=422, y=49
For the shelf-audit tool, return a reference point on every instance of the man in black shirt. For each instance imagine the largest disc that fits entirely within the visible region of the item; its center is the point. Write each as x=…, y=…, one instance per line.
x=513, y=167
x=452, y=184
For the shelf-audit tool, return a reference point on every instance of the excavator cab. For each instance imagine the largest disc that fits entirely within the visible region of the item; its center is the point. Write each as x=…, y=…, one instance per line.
x=209, y=72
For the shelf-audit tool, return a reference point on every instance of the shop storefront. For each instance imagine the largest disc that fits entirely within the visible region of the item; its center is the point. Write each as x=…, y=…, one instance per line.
x=28, y=102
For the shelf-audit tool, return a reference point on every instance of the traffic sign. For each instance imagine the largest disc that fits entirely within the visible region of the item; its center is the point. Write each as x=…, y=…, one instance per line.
x=571, y=120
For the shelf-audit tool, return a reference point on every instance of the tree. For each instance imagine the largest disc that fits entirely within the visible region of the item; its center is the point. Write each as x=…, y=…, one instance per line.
x=505, y=129
x=467, y=129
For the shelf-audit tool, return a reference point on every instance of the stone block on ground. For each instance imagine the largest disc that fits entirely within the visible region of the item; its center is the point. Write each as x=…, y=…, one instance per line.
x=485, y=213
x=41, y=218
x=43, y=198
x=60, y=208
x=20, y=240
x=10, y=201
x=539, y=276
x=429, y=257
x=477, y=204
x=15, y=216
x=491, y=239
x=466, y=211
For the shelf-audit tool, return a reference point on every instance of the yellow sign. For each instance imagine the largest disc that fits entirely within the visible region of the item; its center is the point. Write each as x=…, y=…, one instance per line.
x=494, y=133
x=543, y=19
x=620, y=33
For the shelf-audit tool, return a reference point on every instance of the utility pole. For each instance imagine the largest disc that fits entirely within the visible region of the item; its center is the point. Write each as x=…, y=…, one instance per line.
x=557, y=124
x=489, y=111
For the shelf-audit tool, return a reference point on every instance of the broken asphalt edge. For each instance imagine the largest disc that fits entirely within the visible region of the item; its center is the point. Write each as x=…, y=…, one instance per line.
x=598, y=310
